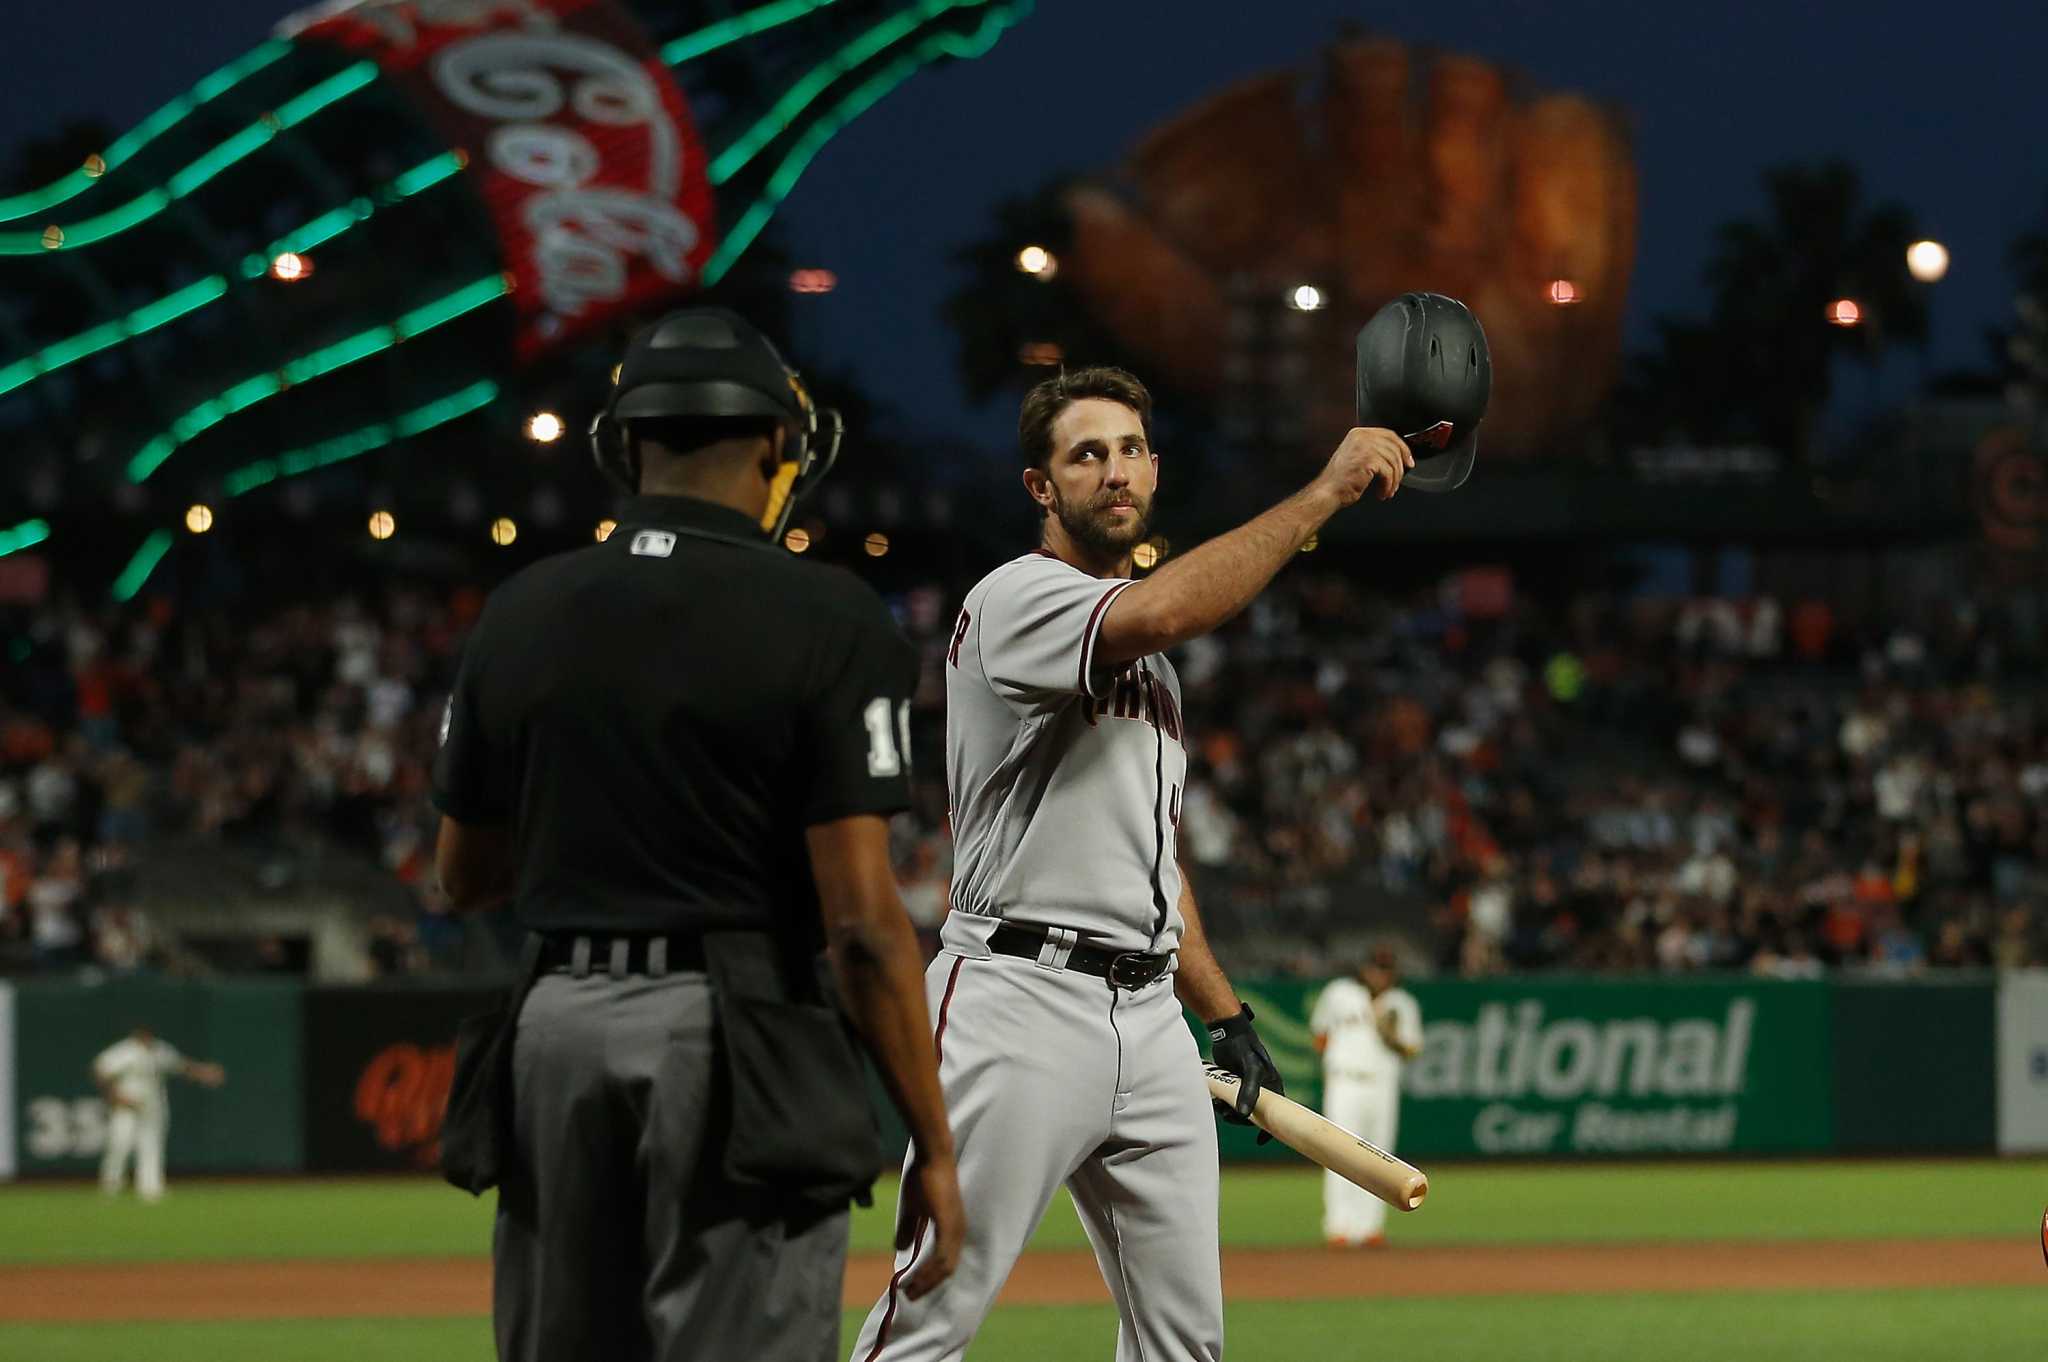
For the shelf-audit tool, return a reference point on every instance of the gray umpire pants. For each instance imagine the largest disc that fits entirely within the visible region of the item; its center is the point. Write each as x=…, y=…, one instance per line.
x=618, y=1238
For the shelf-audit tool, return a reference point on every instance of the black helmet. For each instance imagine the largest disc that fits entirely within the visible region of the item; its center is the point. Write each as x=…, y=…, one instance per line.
x=1423, y=372
x=709, y=362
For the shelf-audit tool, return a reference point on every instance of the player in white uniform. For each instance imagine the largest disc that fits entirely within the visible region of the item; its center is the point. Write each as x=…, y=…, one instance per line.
x=130, y=1074
x=1061, y=1042
x=1366, y=1028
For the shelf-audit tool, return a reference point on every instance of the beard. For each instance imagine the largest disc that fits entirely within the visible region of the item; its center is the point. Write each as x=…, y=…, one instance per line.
x=1091, y=525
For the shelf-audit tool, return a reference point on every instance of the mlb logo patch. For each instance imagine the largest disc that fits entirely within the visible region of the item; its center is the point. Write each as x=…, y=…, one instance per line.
x=654, y=544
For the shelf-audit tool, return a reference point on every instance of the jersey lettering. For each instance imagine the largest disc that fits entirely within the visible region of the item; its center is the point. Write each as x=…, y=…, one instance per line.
x=959, y=633
x=1138, y=695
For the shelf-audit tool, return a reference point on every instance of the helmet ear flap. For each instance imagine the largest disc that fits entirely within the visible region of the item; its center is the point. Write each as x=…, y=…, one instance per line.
x=613, y=452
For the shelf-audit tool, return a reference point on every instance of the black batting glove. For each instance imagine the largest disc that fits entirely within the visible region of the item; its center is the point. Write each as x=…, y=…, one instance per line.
x=1233, y=1045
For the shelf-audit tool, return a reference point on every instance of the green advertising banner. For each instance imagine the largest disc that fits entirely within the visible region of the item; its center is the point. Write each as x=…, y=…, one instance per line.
x=251, y=1027
x=1557, y=1067
x=1916, y=1064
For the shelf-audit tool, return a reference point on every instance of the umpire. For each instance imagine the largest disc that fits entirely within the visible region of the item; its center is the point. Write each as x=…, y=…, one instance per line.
x=673, y=753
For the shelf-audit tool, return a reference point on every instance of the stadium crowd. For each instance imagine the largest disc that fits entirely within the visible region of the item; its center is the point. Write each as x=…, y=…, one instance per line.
x=1614, y=785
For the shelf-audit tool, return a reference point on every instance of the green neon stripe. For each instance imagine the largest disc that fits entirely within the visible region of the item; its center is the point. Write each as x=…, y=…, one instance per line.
x=141, y=565
x=858, y=102
x=339, y=355
x=322, y=361
x=478, y=394
x=431, y=315
x=426, y=175
x=355, y=443
x=142, y=134
x=340, y=85
x=95, y=339
x=726, y=32
x=318, y=232
x=295, y=111
x=27, y=533
x=820, y=78
x=172, y=306
x=149, y=316
x=213, y=163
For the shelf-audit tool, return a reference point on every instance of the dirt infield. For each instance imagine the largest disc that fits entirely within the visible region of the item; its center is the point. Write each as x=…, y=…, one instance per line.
x=461, y=1286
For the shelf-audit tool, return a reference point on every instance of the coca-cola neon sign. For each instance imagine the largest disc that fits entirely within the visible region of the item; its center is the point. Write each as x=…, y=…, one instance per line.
x=579, y=141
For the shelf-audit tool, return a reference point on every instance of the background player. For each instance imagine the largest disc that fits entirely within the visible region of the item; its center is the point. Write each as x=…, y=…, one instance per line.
x=1062, y=1051
x=1365, y=1029
x=130, y=1074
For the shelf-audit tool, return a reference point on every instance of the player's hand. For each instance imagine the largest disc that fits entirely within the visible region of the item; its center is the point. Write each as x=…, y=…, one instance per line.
x=213, y=1075
x=931, y=1193
x=1233, y=1045
x=1369, y=454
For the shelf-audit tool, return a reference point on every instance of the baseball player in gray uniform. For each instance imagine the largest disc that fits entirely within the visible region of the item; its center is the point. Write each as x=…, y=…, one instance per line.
x=1074, y=939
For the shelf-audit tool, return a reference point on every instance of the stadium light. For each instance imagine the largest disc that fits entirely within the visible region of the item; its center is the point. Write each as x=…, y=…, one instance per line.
x=797, y=540
x=1927, y=261
x=1563, y=293
x=812, y=281
x=199, y=518
x=1040, y=352
x=289, y=267
x=1038, y=262
x=1306, y=298
x=503, y=531
x=544, y=427
x=382, y=525
x=1844, y=312
x=876, y=544
x=605, y=528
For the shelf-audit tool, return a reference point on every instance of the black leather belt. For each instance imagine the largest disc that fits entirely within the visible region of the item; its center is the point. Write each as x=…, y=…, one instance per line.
x=640, y=955
x=1123, y=969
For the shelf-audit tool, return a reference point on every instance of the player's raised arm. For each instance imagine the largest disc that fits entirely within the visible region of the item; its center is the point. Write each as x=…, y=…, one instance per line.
x=1199, y=590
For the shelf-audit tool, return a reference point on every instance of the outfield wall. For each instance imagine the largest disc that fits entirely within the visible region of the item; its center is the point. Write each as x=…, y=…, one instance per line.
x=354, y=1079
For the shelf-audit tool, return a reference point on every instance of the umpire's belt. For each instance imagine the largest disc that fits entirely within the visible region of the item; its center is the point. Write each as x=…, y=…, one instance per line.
x=1123, y=969
x=619, y=955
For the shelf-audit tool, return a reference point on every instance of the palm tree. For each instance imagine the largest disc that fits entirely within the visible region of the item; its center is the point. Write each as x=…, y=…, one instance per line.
x=2024, y=349
x=1759, y=366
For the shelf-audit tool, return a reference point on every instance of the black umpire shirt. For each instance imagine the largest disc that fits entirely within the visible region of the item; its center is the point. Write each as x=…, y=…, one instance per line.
x=659, y=717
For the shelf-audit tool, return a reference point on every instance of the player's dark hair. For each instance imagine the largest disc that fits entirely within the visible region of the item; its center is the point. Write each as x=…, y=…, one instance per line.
x=1044, y=403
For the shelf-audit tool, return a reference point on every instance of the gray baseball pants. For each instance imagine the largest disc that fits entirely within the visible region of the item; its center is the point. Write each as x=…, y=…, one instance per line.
x=620, y=1238
x=1054, y=1077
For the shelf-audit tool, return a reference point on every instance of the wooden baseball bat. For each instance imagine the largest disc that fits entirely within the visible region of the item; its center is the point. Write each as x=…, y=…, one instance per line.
x=1327, y=1144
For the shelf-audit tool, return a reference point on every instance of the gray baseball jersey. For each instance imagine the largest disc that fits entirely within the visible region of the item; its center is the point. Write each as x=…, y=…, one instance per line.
x=1065, y=778
x=1065, y=775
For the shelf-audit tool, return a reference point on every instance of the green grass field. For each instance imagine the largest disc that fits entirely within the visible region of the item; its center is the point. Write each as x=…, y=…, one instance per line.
x=1993, y=1325
x=1480, y=1204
